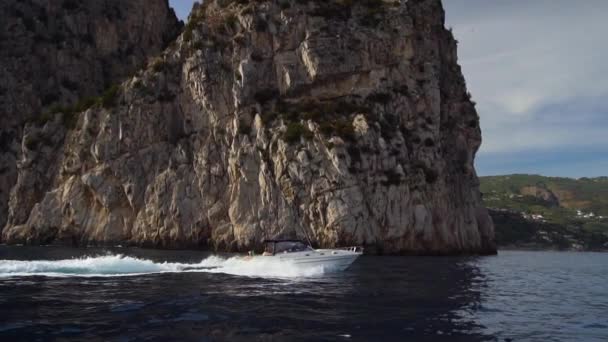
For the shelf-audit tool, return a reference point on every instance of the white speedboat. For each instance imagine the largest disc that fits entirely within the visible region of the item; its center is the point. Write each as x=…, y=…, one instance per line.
x=300, y=253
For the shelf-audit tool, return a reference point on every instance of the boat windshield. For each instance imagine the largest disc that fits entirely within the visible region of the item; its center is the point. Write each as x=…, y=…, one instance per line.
x=290, y=247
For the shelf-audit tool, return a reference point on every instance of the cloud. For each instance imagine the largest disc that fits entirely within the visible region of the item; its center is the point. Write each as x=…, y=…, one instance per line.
x=590, y=163
x=523, y=60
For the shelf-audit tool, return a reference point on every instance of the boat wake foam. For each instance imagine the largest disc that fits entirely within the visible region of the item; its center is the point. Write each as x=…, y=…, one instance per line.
x=120, y=265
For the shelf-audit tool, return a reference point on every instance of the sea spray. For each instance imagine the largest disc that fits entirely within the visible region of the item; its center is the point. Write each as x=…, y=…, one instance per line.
x=120, y=265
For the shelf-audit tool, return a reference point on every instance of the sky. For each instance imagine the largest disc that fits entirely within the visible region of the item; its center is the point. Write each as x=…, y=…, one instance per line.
x=538, y=70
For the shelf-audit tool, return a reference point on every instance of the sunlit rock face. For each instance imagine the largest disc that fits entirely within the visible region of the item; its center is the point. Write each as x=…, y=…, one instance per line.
x=55, y=53
x=348, y=123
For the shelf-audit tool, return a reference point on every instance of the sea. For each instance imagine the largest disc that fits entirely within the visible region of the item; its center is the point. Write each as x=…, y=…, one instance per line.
x=122, y=294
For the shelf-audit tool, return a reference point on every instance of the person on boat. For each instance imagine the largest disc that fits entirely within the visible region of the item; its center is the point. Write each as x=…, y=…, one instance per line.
x=269, y=250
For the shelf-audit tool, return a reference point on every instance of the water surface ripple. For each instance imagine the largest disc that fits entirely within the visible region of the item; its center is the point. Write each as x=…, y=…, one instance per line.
x=51, y=293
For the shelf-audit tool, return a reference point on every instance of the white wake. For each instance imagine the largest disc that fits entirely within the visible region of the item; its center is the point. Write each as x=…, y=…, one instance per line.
x=120, y=265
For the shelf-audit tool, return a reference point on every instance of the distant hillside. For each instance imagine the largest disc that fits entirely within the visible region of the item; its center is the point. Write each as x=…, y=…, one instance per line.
x=548, y=212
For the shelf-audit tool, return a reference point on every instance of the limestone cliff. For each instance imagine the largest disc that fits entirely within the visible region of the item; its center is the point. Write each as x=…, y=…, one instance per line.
x=347, y=121
x=54, y=53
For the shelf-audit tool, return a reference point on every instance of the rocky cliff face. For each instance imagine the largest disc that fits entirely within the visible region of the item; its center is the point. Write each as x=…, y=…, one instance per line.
x=55, y=54
x=347, y=121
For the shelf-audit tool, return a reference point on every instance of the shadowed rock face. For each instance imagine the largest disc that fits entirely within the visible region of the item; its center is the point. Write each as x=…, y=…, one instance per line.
x=55, y=53
x=347, y=123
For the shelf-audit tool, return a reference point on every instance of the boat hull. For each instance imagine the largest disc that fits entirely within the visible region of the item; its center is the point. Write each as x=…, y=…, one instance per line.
x=329, y=260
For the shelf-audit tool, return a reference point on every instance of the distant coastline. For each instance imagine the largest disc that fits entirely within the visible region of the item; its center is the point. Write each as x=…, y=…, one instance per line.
x=533, y=212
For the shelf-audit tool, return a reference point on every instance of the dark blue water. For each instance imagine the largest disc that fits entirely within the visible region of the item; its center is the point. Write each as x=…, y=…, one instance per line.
x=515, y=296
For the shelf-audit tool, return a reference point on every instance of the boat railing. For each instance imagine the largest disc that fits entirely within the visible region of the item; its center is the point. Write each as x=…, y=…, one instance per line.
x=355, y=249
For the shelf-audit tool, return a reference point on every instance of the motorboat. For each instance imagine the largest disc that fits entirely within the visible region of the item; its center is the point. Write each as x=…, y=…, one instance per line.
x=300, y=253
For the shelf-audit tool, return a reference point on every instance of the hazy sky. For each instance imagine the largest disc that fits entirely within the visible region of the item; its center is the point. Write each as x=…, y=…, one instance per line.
x=538, y=70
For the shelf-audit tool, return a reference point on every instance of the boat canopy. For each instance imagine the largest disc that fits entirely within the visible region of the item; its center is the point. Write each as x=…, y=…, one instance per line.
x=285, y=246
